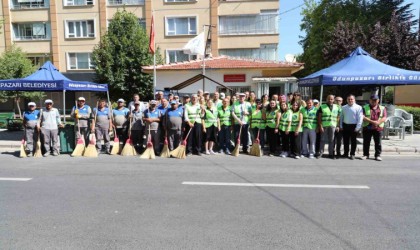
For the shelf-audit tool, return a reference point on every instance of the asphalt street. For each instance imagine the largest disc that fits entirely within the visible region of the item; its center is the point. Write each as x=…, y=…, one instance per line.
x=114, y=202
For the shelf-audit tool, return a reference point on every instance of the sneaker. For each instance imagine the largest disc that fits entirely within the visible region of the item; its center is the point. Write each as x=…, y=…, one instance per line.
x=297, y=157
x=302, y=156
x=207, y=152
x=351, y=157
x=189, y=154
x=227, y=152
x=55, y=154
x=29, y=154
x=378, y=158
x=199, y=154
x=220, y=151
x=311, y=156
x=364, y=157
x=46, y=154
x=318, y=156
x=212, y=152
x=270, y=155
x=283, y=155
x=331, y=157
x=108, y=152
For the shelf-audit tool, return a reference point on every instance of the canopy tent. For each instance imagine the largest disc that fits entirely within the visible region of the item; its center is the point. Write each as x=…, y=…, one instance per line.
x=360, y=68
x=48, y=78
x=195, y=79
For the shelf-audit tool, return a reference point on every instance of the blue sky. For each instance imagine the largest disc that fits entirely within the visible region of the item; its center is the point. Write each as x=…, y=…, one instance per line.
x=290, y=26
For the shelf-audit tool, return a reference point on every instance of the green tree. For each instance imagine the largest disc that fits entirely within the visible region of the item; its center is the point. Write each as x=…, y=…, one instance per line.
x=14, y=64
x=118, y=58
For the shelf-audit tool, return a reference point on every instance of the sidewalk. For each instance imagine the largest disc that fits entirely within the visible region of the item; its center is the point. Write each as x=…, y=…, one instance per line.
x=10, y=141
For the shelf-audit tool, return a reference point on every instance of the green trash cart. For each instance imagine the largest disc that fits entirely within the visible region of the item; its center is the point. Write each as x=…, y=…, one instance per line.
x=67, y=139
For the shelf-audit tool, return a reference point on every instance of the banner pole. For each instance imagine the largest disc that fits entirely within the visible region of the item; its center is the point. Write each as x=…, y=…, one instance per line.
x=64, y=106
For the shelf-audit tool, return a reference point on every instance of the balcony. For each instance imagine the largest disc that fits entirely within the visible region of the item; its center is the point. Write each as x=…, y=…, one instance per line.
x=125, y=2
x=248, y=24
x=31, y=31
x=29, y=4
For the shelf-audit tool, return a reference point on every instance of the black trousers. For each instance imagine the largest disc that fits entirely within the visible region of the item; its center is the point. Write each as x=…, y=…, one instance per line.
x=377, y=138
x=317, y=143
x=285, y=141
x=338, y=138
x=122, y=134
x=224, y=137
x=295, y=143
x=272, y=139
x=244, y=136
x=195, y=138
x=349, y=136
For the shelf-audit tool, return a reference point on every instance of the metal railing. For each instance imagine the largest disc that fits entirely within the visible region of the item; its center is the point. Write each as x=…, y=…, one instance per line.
x=31, y=38
x=29, y=5
x=125, y=2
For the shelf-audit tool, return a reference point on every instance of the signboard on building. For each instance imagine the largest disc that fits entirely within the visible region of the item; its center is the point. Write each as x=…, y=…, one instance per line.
x=234, y=78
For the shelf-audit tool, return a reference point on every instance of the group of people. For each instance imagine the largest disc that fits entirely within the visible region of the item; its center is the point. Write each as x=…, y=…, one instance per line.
x=285, y=125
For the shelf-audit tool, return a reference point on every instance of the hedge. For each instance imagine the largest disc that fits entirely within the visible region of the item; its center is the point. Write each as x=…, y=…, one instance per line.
x=416, y=115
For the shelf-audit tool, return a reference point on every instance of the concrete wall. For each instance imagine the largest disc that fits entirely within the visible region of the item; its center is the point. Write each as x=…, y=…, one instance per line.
x=407, y=95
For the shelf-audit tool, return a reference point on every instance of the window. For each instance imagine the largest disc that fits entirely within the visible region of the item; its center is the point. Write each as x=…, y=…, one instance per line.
x=77, y=2
x=125, y=2
x=31, y=31
x=142, y=22
x=176, y=26
x=178, y=56
x=264, y=23
x=265, y=52
x=80, y=29
x=29, y=4
x=39, y=60
x=179, y=1
x=79, y=61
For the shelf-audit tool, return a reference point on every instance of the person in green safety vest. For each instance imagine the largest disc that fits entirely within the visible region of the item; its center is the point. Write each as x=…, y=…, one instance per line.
x=258, y=122
x=328, y=123
x=338, y=137
x=373, y=126
x=272, y=117
x=309, y=125
x=211, y=122
x=192, y=120
x=241, y=112
x=225, y=126
x=283, y=126
x=295, y=130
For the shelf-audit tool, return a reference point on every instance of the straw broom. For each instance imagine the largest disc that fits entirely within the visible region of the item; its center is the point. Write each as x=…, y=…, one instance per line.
x=149, y=153
x=235, y=151
x=38, y=152
x=90, y=151
x=129, y=149
x=256, y=149
x=116, y=146
x=165, y=151
x=22, y=146
x=179, y=152
x=80, y=146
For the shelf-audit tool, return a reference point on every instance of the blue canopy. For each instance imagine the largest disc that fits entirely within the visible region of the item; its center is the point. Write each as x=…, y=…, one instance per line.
x=360, y=68
x=48, y=78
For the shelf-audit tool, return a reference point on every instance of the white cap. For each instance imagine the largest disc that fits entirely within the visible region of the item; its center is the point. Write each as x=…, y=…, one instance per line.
x=153, y=102
x=48, y=101
x=242, y=94
x=81, y=99
x=222, y=95
x=31, y=104
x=120, y=100
x=315, y=101
x=206, y=93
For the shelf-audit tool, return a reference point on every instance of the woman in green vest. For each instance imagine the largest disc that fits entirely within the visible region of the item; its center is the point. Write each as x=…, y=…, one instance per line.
x=283, y=126
x=210, y=123
x=295, y=130
x=258, y=122
x=272, y=116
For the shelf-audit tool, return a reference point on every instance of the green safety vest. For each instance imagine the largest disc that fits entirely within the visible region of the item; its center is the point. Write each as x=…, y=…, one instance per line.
x=367, y=114
x=225, y=116
x=295, y=122
x=329, y=117
x=211, y=118
x=271, y=118
x=284, y=120
x=237, y=110
x=193, y=112
x=257, y=120
x=310, y=120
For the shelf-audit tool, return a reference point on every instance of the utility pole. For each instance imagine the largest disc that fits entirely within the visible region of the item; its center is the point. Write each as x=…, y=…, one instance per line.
x=207, y=45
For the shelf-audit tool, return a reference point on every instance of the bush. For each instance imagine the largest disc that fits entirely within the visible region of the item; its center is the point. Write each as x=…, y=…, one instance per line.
x=416, y=115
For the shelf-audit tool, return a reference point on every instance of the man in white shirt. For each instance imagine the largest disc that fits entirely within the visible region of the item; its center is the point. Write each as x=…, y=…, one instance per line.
x=50, y=121
x=350, y=123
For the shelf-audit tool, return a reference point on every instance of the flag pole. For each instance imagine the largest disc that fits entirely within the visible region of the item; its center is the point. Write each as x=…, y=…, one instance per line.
x=204, y=58
x=154, y=55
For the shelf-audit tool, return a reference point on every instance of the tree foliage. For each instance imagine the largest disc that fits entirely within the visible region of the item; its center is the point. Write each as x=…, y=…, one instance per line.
x=14, y=64
x=118, y=58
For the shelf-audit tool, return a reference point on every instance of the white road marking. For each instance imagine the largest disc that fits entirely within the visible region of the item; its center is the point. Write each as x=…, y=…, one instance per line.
x=274, y=185
x=15, y=179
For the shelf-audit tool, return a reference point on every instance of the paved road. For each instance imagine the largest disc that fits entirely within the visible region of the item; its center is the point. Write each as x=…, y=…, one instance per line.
x=127, y=203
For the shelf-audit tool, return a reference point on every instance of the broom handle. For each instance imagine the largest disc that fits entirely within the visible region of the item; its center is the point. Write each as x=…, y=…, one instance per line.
x=112, y=118
x=186, y=137
x=94, y=117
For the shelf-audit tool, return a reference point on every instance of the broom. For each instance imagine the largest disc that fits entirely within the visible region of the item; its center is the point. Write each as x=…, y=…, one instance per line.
x=80, y=146
x=235, y=151
x=149, y=153
x=256, y=149
x=116, y=146
x=91, y=151
x=22, y=146
x=165, y=151
x=38, y=152
x=129, y=149
x=179, y=152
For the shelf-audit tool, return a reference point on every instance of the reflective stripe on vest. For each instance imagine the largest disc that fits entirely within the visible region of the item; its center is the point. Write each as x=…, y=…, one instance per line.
x=225, y=116
x=310, y=118
x=284, y=120
x=193, y=112
x=295, y=121
x=367, y=114
x=256, y=120
x=329, y=117
x=271, y=119
x=211, y=118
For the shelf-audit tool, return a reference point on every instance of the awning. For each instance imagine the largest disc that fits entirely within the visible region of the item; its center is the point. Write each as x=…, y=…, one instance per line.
x=195, y=79
x=274, y=79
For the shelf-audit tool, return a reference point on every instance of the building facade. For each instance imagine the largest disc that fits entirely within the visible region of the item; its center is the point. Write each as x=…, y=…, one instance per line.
x=66, y=31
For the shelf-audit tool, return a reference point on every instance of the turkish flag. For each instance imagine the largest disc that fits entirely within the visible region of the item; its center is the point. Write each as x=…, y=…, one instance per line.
x=152, y=37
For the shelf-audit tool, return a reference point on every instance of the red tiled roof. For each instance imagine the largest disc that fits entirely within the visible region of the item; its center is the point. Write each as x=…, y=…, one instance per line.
x=224, y=62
